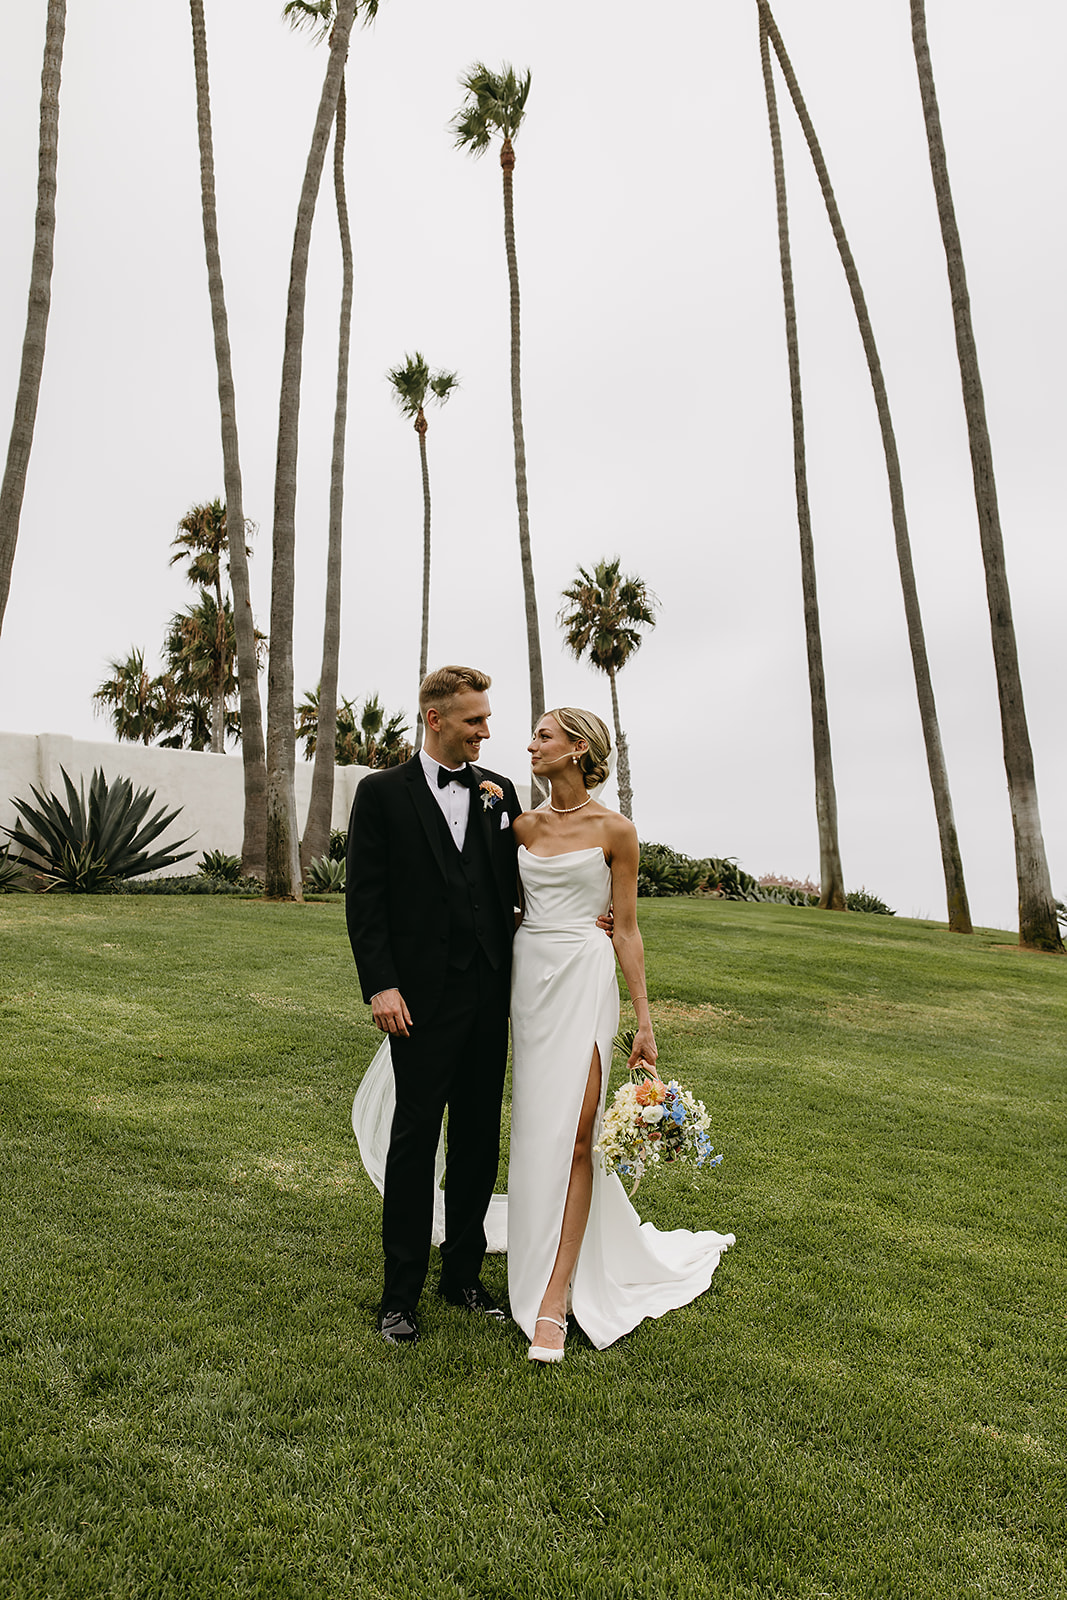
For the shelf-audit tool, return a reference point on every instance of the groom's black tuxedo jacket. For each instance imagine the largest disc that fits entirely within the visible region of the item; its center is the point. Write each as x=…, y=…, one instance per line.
x=397, y=879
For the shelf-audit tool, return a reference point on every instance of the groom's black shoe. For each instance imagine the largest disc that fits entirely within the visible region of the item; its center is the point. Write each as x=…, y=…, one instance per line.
x=473, y=1297
x=398, y=1327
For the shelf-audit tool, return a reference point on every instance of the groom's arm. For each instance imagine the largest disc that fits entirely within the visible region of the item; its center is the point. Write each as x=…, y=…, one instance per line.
x=366, y=891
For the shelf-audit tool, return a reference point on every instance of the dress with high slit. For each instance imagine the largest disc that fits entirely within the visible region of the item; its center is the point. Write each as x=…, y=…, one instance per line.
x=565, y=1005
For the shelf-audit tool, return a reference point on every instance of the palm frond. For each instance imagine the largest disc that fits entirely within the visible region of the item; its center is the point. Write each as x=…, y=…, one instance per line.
x=442, y=385
x=410, y=382
x=496, y=104
x=314, y=14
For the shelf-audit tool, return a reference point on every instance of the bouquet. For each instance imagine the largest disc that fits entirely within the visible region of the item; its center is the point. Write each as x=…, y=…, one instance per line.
x=649, y=1121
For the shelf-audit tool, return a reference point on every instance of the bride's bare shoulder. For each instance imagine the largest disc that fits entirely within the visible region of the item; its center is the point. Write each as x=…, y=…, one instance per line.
x=527, y=825
x=620, y=833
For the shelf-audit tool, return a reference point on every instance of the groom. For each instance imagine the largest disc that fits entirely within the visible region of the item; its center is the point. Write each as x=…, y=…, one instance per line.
x=430, y=897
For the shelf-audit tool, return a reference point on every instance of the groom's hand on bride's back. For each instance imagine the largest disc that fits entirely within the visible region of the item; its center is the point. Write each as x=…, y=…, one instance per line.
x=607, y=922
x=389, y=1012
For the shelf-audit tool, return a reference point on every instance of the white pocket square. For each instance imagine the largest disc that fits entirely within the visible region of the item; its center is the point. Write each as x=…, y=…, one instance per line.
x=505, y=820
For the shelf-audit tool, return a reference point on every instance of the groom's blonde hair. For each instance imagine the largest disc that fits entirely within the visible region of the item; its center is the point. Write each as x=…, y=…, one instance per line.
x=440, y=687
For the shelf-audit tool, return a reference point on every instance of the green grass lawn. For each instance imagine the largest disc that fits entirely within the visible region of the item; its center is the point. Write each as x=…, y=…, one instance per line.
x=869, y=1402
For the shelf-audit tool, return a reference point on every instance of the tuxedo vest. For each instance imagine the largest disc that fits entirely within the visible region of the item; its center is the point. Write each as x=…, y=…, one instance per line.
x=473, y=900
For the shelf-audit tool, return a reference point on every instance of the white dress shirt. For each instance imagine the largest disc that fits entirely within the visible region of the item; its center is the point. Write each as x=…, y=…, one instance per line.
x=453, y=798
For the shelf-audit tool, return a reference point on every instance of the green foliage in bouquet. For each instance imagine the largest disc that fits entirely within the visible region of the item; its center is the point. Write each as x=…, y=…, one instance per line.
x=82, y=848
x=325, y=876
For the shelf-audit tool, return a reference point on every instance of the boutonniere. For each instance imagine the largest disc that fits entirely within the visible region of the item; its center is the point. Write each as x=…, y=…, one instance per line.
x=491, y=794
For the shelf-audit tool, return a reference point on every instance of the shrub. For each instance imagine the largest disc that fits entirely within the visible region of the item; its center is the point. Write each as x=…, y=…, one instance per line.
x=82, y=848
x=1061, y=914
x=780, y=891
x=338, y=847
x=217, y=864
x=774, y=880
x=662, y=871
x=861, y=900
x=196, y=883
x=729, y=880
x=325, y=876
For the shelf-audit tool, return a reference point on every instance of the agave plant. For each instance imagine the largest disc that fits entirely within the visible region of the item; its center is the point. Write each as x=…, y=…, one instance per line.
x=325, y=876
x=84, y=849
x=217, y=864
x=10, y=872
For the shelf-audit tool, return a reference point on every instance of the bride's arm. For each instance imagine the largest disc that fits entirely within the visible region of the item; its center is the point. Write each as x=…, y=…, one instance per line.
x=627, y=938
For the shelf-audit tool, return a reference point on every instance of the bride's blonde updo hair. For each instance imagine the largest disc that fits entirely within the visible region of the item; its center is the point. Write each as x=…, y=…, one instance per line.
x=592, y=763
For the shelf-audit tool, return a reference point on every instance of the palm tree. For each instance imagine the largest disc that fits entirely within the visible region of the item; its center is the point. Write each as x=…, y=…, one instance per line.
x=13, y=487
x=140, y=707
x=601, y=621
x=201, y=539
x=959, y=916
x=412, y=383
x=320, y=14
x=364, y=738
x=201, y=654
x=832, y=895
x=283, y=854
x=1038, y=928
x=496, y=103
x=253, y=753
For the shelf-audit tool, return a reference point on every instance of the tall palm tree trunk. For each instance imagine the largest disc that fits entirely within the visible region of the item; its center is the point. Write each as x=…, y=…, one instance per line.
x=283, y=853
x=421, y=428
x=13, y=488
x=1038, y=927
x=959, y=916
x=218, y=688
x=320, y=807
x=622, y=754
x=832, y=889
x=533, y=634
x=253, y=753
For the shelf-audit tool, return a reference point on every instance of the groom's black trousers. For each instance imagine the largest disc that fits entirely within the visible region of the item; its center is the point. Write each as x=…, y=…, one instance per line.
x=456, y=1058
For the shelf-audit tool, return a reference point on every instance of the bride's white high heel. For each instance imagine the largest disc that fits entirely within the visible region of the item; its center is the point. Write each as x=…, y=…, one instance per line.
x=541, y=1352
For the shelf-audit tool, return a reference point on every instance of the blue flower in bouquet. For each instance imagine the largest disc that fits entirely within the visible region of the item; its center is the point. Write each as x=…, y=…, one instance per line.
x=678, y=1113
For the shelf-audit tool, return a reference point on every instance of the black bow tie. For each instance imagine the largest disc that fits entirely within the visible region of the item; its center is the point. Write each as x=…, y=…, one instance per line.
x=463, y=775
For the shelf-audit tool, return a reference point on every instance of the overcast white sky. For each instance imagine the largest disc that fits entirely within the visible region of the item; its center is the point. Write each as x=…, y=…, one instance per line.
x=655, y=385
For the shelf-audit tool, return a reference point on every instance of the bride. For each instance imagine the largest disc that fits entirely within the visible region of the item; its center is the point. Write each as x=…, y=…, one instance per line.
x=574, y=1241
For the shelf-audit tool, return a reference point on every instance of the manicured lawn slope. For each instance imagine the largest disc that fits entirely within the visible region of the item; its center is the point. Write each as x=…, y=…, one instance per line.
x=870, y=1401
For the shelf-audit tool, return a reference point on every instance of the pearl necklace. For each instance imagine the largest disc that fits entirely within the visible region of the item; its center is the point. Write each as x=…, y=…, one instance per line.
x=564, y=811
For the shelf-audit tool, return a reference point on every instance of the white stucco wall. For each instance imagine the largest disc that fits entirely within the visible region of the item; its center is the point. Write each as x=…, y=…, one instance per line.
x=209, y=789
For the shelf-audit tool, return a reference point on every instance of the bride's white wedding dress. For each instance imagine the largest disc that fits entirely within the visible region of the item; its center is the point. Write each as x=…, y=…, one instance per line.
x=564, y=1002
